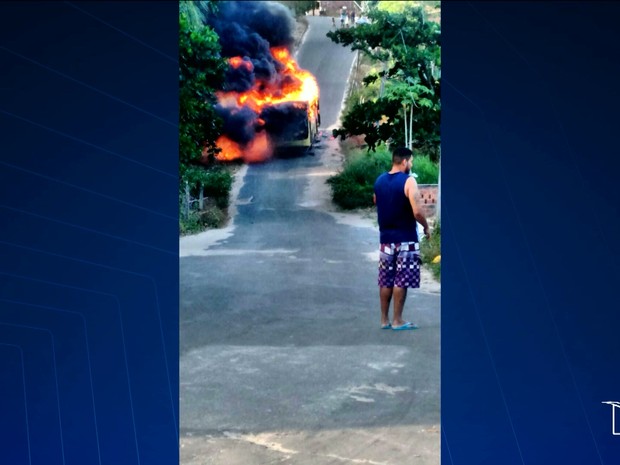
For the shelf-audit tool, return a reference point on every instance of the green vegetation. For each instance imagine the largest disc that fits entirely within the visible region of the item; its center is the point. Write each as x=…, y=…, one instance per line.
x=427, y=171
x=215, y=184
x=353, y=186
x=430, y=250
x=431, y=8
x=394, y=101
x=405, y=52
x=197, y=221
x=201, y=74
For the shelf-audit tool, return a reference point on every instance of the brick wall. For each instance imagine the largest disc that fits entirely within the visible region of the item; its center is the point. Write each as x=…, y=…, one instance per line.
x=428, y=198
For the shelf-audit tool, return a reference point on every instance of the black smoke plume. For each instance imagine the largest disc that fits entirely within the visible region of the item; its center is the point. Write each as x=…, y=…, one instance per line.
x=286, y=121
x=248, y=29
x=240, y=124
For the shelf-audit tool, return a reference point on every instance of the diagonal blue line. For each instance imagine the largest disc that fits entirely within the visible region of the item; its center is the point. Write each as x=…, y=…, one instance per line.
x=90, y=191
x=165, y=354
x=445, y=438
x=90, y=371
x=36, y=215
x=62, y=441
x=82, y=141
x=527, y=244
x=155, y=290
x=21, y=356
x=133, y=418
x=118, y=309
x=135, y=433
x=600, y=229
x=97, y=18
x=88, y=86
x=89, y=360
x=484, y=336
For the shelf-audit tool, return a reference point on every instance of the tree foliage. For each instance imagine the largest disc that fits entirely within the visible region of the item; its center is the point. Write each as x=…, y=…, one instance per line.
x=399, y=6
x=408, y=110
x=201, y=73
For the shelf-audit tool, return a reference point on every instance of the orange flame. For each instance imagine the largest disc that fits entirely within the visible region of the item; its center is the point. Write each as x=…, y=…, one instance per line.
x=298, y=86
x=237, y=62
x=259, y=149
x=230, y=149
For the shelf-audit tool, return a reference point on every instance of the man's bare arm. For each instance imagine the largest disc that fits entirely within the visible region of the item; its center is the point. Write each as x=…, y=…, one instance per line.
x=413, y=194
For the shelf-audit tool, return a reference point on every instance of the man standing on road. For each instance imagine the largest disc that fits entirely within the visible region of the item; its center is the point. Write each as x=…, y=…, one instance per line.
x=397, y=199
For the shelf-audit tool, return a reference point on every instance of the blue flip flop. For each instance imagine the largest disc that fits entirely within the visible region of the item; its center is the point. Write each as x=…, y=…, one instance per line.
x=406, y=325
x=387, y=326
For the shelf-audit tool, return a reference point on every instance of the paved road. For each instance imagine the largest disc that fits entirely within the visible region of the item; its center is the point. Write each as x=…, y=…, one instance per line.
x=282, y=358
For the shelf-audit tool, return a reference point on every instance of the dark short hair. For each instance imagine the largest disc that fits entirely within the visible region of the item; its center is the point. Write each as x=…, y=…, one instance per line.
x=400, y=154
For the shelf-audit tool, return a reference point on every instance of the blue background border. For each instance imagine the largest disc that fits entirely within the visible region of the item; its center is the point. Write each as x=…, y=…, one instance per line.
x=89, y=236
x=530, y=221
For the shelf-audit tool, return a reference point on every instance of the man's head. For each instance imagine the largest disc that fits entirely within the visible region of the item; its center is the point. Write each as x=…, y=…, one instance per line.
x=402, y=159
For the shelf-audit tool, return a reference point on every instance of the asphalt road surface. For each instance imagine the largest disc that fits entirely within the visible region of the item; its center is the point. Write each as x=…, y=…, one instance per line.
x=282, y=358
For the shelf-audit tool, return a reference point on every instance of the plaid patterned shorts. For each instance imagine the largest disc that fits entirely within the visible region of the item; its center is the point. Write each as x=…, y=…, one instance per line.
x=399, y=265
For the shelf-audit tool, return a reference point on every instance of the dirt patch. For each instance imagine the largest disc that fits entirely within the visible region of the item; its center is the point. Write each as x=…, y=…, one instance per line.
x=369, y=446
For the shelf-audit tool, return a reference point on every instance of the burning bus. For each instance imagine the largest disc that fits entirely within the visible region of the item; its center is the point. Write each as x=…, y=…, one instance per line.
x=267, y=102
x=264, y=116
x=292, y=124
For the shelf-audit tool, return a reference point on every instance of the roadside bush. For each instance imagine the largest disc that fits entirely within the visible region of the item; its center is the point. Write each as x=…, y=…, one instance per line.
x=199, y=220
x=190, y=225
x=353, y=187
x=212, y=217
x=427, y=171
x=430, y=249
x=216, y=183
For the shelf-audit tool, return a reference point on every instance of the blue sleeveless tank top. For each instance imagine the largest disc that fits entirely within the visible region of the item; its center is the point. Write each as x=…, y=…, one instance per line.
x=396, y=221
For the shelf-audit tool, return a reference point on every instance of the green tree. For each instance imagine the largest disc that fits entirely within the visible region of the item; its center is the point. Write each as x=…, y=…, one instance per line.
x=194, y=11
x=201, y=73
x=399, y=6
x=408, y=108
